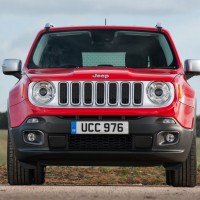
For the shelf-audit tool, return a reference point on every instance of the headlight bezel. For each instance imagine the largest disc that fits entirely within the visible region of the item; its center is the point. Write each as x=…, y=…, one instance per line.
x=162, y=99
x=43, y=99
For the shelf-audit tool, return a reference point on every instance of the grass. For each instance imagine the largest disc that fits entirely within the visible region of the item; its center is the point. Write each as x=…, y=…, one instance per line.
x=3, y=144
x=96, y=175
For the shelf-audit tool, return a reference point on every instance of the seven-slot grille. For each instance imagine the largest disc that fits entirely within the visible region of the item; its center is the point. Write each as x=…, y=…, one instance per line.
x=96, y=94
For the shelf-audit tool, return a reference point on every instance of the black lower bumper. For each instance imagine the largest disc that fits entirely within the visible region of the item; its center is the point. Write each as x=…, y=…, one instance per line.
x=140, y=147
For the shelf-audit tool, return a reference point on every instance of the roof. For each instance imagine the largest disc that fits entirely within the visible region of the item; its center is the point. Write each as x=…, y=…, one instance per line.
x=140, y=28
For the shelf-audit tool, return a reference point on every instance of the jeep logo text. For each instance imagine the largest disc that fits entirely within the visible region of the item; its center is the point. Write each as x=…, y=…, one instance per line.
x=100, y=76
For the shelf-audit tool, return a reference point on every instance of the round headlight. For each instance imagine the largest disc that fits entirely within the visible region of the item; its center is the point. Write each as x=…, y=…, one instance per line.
x=43, y=92
x=158, y=92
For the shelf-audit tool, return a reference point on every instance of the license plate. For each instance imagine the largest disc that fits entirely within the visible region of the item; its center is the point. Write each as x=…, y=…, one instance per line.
x=105, y=127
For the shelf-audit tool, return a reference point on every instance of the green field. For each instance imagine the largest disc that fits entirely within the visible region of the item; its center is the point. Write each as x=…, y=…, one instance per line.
x=3, y=144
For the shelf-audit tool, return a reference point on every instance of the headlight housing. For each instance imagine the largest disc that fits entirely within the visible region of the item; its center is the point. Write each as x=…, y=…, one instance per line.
x=43, y=92
x=158, y=92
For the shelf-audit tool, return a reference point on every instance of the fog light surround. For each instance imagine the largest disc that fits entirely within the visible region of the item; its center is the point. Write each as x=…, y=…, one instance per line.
x=34, y=137
x=165, y=138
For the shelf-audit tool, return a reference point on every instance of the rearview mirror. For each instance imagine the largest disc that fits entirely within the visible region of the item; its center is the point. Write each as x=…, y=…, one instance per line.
x=192, y=67
x=12, y=67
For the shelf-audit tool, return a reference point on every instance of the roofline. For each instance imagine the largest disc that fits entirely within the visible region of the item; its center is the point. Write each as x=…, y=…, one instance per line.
x=103, y=27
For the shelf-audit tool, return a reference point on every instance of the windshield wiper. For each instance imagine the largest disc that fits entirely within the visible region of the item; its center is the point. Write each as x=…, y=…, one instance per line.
x=105, y=65
x=169, y=67
x=69, y=65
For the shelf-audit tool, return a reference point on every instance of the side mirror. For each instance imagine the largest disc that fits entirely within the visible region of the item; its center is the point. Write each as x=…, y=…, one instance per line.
x=192, y=68
x=12, y=67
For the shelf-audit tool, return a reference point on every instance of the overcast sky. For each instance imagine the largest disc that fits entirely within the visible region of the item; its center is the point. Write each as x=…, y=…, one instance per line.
x=20, y=20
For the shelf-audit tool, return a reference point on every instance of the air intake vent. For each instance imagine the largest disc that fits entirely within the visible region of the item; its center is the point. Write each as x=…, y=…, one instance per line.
x=137, y=94
x=88, y=93
x=76, y=93
x=125, y=92
x=63, y=99
x=100, y=94
x=112, y=93
x=100, y=142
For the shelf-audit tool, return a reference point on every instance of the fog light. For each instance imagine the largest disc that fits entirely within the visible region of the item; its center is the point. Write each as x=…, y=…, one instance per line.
x=170, y=137
x=31, y=137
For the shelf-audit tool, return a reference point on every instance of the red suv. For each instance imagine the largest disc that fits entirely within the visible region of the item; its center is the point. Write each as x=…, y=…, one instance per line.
x=102, y=95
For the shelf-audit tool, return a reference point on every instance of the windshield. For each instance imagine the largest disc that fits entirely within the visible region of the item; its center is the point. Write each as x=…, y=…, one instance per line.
x=100, y=48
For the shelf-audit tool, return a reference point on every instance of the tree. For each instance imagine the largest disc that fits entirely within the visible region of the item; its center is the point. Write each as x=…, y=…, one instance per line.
x=3, y=120
x=198, y=126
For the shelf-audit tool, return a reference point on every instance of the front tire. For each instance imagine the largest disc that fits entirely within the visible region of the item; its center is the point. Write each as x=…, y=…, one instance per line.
x=185, y=174
x=18, y=175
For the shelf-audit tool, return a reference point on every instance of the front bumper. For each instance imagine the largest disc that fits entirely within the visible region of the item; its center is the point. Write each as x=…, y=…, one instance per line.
x=144, y=148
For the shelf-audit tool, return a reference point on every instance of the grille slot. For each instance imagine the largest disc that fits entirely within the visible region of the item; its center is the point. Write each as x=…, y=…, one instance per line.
x=137, y=94
x=125, y=92
x=75, y=93
x=100, y=142
x=112, y=93
x=88, y=93
x=63, y=95
x=100, y=99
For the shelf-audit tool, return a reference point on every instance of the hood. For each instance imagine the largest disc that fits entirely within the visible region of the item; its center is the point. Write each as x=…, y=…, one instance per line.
x=100, y=74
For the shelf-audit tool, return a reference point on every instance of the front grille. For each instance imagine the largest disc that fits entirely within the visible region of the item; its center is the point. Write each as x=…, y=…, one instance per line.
x=100, y=142
x=100, y=94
